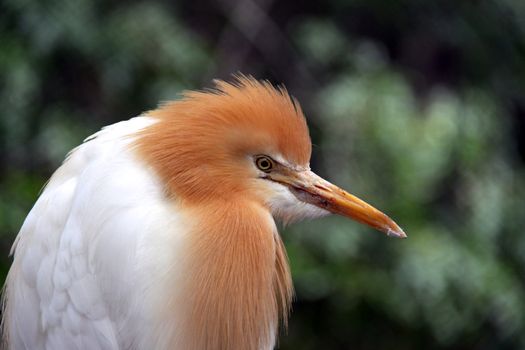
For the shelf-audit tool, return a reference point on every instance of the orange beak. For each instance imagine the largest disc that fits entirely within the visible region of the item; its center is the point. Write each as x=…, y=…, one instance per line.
x=310, y=188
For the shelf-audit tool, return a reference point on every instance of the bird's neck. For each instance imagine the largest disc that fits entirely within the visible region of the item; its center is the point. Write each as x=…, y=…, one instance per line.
x=239, y=286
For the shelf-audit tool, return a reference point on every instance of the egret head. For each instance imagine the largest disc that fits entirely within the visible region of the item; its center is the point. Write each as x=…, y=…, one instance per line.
x=247, y=140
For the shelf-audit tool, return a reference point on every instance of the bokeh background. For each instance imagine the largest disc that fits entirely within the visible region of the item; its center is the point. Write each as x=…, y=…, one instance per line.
x=416, y=106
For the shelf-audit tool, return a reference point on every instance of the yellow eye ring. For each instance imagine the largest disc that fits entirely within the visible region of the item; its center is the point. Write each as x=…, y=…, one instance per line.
x=264, y=163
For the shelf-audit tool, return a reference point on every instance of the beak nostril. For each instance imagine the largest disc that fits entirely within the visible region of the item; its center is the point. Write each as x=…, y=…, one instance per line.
x=321, y=187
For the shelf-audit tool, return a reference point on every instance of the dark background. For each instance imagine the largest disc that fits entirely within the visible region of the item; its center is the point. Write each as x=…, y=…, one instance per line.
x=416, y=106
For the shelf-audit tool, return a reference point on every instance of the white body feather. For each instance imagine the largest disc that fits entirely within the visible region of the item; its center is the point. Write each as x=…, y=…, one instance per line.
x=91, y=257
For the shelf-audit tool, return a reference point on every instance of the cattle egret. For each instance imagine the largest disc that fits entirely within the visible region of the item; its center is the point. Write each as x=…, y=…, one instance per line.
x=160, y=232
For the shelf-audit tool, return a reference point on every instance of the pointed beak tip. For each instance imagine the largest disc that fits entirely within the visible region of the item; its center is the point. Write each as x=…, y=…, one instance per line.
x=396, y=233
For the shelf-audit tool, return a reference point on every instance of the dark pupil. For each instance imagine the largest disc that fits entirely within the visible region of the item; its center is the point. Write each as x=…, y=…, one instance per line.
x=264, y=164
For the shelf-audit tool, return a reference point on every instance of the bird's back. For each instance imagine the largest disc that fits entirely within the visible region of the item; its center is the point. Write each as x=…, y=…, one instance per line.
x=82, y=261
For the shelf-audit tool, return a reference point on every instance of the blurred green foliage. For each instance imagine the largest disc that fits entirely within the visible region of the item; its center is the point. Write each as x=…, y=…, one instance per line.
x=417, y=107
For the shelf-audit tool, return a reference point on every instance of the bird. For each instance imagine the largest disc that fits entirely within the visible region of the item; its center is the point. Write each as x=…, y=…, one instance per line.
x=161, y=232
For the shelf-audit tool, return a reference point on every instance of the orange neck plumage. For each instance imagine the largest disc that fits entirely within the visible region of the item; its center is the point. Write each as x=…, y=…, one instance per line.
x=239, y=285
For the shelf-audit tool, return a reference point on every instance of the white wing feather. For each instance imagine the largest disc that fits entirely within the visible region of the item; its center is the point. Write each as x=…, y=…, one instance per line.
x=84, y=274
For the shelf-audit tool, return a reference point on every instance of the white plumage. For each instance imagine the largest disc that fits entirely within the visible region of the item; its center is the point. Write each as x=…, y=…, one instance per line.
x=91, y=258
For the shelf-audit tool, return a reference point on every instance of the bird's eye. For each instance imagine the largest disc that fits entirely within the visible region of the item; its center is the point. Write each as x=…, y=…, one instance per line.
x=264, y=163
